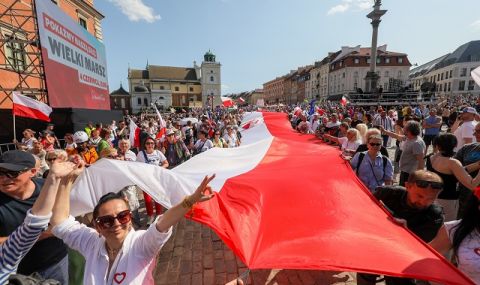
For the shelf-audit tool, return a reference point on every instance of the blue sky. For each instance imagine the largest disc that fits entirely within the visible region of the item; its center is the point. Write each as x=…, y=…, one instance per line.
x=257, y=40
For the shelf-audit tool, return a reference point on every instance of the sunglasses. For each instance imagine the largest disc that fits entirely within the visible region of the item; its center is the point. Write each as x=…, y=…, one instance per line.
x=425, y=184
x=106, y=222
x=375, y=144
x=149, y=143
x=217, y=134
x=50, y=159
x=11, y=174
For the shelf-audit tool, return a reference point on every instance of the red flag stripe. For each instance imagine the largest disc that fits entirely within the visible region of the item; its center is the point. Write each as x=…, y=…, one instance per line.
x=24, y=111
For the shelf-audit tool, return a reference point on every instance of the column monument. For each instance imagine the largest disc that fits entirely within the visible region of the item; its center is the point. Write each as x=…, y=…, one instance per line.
x=371, y=80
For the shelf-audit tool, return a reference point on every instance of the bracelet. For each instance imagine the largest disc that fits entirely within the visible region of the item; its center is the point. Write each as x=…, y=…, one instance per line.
x=186, y=203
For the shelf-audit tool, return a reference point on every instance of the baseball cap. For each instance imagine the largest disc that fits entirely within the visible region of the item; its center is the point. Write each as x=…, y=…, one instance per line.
x=16, y=160
x=470, y=110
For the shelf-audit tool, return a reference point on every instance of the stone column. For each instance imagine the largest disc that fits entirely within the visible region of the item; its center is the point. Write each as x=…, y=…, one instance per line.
x=371, y=80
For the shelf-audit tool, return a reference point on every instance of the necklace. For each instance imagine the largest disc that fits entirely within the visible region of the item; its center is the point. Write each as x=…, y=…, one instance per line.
x=112, y=252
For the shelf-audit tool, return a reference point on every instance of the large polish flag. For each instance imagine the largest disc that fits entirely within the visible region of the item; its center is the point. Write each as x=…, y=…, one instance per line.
x=283, y=201
x=24, y=106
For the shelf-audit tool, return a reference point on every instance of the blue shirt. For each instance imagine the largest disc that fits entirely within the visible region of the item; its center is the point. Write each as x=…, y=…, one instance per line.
x=372, y=173
x=431, y=120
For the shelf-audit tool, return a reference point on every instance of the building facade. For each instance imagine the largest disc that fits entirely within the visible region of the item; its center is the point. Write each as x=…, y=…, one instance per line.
x=450, y=74
x=274, y=91
x=20, y=57
x=169, y=86
x=347, y=71
x=120, y=100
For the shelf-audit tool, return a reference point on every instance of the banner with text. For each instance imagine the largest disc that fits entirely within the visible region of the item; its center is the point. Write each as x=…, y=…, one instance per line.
x=75, y=61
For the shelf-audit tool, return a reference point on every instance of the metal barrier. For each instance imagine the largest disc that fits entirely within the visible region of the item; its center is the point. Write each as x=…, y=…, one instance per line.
x=11, y=146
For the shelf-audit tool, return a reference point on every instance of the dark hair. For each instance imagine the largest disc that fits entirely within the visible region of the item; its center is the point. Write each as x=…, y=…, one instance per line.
x=413, y=127
x=104, y=199
x=468, y=224
x=145, y=141
x=446, y=143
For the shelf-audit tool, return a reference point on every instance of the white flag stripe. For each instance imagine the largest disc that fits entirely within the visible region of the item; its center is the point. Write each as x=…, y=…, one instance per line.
x=28, y=102
x=161, y=123
x=168, y=187
x=476, y=75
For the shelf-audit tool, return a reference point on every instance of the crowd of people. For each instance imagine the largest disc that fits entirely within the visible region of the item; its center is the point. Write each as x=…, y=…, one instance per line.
x=429, y=181
x=429, y=184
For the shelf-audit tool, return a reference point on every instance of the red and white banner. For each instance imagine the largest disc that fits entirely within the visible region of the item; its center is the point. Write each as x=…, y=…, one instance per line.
x=134, y=134
x=75, y=61
x=283, y=201
x=24, y=106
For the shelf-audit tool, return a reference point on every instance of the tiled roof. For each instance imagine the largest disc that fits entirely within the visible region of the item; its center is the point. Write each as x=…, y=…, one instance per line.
x=120, y=91
x=164, y=72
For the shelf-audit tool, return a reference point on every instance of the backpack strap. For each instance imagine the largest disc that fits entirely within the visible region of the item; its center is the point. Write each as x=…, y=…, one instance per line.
x=145, y=156
x=360, y=159
x=385, y=161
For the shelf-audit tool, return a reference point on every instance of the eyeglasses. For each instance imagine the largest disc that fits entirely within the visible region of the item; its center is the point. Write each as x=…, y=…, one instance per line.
x=106, y=222
x=149, y=143
x=217, y=134
x=425, y=184
x=11, y=174
x=375, y=144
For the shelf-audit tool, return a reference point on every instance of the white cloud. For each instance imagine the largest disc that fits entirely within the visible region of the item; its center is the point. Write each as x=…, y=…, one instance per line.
x=476, y=24
x=345, y=5
x=136, y=10
x=340, y=8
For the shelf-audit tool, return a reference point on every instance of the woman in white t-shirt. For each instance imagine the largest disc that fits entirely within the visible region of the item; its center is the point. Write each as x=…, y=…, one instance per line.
x=463, y=238
x=348, y=144
x=153, y=156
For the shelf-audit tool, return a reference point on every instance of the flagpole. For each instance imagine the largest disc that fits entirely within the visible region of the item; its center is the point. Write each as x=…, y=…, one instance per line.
x=14, y=129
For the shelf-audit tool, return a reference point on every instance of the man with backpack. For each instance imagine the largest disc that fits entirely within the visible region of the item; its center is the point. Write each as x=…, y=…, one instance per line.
x=373, y=168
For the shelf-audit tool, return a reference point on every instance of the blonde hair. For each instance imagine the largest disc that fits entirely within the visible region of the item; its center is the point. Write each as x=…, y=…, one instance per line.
x=106, y=152
x=58, y=154
x=372, y=132
x=354, y=131
x=362, y=128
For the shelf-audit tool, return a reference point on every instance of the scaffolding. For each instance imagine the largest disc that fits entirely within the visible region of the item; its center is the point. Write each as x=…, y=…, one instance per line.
x=20, y=49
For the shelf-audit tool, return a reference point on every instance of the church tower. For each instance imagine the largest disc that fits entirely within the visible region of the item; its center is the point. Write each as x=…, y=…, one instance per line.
x=211, y=80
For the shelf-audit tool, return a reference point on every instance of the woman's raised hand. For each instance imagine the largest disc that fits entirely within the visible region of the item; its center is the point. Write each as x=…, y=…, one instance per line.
x=204, y=191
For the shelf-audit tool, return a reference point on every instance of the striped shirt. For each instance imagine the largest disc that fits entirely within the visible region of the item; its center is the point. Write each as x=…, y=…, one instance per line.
x=19, y=243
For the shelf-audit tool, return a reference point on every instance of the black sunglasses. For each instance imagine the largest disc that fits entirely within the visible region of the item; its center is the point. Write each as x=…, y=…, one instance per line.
x=425, y=184
x=106, y=222
x=11, y=174
x=375, y=144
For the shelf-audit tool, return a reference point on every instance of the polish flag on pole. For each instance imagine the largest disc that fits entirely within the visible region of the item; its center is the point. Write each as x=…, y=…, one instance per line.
x=266, y=197
x=241, y=100
x=227, y=102
x=344, y=101
x=161, y=124
x=476, y=75
x=24, y=106
x=134, y=134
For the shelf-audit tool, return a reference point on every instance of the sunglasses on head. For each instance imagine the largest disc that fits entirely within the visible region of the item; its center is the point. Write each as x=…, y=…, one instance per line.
x=11, y=174
x=432, y=184
x=106, y=222
x=375, y=144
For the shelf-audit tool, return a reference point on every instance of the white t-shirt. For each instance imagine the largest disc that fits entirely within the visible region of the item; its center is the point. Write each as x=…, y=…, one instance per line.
x=155, y=158
x=468, y=252
x=463, y=132
x=130, y=156
x=349, y=145
x=205, y=146
x=231, y=140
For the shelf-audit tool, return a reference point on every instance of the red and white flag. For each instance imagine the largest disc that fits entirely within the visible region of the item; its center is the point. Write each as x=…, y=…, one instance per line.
x=241, y=100
x=476, y=75
x=24, y=106
x=227, y=102
x=162, y=126
x=282, y=201
x=134, y=134
x=344, y=101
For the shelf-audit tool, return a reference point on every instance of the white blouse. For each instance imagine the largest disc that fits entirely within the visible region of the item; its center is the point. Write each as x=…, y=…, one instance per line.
x=134, y=263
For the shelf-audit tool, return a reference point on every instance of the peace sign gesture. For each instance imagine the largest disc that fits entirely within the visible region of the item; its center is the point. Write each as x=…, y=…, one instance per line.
x=204, y=191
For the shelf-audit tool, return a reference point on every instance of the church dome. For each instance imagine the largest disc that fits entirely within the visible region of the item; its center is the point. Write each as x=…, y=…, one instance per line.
x=209, y=56
x=140, y=88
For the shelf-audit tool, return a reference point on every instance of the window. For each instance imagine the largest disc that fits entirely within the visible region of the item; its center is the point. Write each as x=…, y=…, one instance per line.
x=191, y=89
x=386, y=73
x=461, y=85
x=463, y=72
x=446, y=75
x=387, y=60
x=399, y=75
x=177, y=88
x=145, y=101
x=343, y=75
x=211, y=71
x=471, y=85
x=378, y=60
x=451, y=71
x=368, y=60
x=449, y=86
x=355, y=86
x=122, y=103
x=355, y=74
x=212, y=79
x=438, y=77
x=15, y=53
x=341, y=63
x=82, y=22
x=441, y=78
x=400, y=60
x=162, y=87
x=445, y=87
x=440, y=87
x=356, y=61
x=139, y=101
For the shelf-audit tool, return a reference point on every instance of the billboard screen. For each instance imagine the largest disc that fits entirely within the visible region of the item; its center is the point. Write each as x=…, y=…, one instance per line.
x=74, y=60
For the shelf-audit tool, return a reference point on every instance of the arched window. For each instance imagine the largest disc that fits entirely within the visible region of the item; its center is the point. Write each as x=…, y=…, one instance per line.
x=212, y=79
